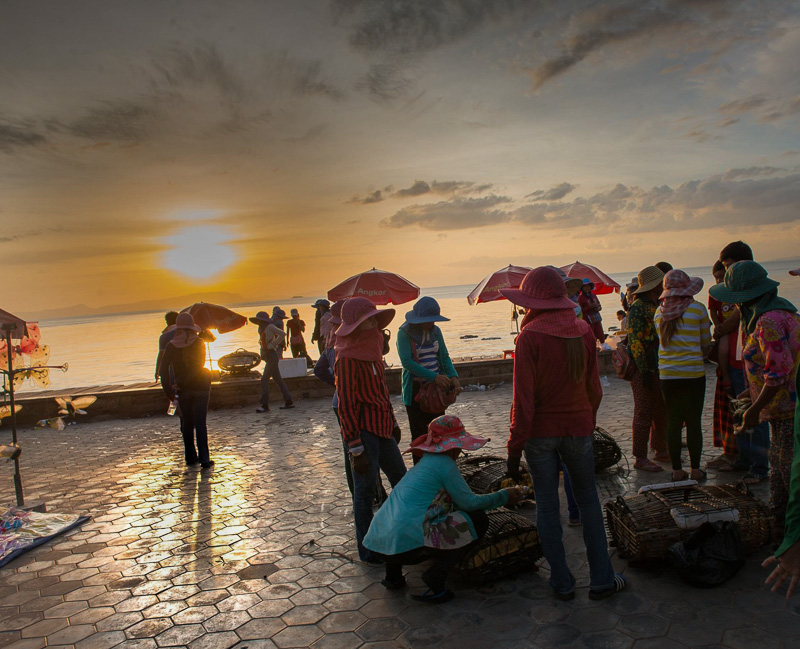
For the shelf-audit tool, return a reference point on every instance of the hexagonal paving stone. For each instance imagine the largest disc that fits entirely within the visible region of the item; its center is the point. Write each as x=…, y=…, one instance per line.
x=381, y=629
x=555, y=635
x=304, y=615
x=270, y=608
x=103, y=640
x=750, y=637
x=644, y=625
x=163, y=609
x=148, y=628
x=297, y=636
x=181, y=634
x=228, y=621
x=66, y=609
x=44, y=628
x=238, y=602
x=70, y=635
x=264, y=627
x=611, y=639
x=222, y=640
x=341, y=622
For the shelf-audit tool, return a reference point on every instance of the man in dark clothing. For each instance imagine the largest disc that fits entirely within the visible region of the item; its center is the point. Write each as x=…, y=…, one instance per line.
x=322, y=306
x=168, y=334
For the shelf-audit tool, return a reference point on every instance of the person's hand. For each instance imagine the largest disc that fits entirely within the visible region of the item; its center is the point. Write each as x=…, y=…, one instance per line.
x=442, y=381
x=512, y=466
x=744, y=395
x=750, y=418
x=360, y=463
x=514, y=496
x=455, y=383
x=397, y=434
x=788, y=568
x=158, y=376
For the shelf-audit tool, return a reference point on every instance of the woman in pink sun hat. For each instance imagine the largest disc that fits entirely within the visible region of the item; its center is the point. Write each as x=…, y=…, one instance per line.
x=366, y=416
x=432, y=512
x=556, y=396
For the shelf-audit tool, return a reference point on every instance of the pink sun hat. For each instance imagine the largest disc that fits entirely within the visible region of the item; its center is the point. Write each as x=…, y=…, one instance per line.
x=542, y=289
x=679, y=284
x=444, y=434
x=357, y=309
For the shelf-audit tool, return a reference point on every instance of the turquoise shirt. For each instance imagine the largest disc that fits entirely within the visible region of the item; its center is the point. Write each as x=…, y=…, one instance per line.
x=397, y=526
x=411, y=368
x=792, y=534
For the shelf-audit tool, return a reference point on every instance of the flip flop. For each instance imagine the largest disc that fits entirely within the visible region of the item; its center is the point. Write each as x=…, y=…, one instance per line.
x=703, y=475
x=646, y=464
x=429, y=597
x=678, y=476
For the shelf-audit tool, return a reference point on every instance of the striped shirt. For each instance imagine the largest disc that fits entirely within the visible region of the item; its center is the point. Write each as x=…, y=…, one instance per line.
x=428, y=355
x=682, y=357
x=363, y=400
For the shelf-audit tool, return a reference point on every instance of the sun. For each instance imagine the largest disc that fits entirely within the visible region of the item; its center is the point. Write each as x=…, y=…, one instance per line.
x=199, y=251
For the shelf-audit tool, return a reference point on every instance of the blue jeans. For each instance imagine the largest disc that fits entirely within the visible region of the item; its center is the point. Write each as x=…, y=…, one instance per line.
x=572, y=506
x=383, y=455
x=271, y=370
x=753, y=449
x=194, y=409
x=542, y=454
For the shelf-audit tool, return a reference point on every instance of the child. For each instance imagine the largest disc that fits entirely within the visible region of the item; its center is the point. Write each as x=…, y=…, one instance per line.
x=623, y=321
x=719, y=312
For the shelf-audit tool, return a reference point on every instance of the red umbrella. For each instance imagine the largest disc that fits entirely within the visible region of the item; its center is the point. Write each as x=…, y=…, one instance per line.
x=602, y=283
x=378, y=286
x=489, y=289
x=213, y=316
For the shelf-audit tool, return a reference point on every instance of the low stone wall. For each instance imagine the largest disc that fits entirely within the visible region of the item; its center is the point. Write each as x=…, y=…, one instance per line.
x=245, y=392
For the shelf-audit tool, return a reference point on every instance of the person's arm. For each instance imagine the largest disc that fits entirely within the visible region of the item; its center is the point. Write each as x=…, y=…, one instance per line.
x=524, y=385
x=446, y=363
x=729, y=324
x=705, y=331
x=778, y=367
x=637, y=328
x=158, y=363
x=407, y=358
x=323, y=370
x=347, y=384
x=276, y=337
x=166, y=361
x=594, y=389
x=463, y=497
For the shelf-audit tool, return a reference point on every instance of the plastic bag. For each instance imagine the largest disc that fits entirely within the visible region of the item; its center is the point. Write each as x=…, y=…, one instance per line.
x=710, y=556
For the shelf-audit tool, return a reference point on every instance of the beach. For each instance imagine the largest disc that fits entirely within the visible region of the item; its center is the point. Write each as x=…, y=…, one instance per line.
x=219, y=559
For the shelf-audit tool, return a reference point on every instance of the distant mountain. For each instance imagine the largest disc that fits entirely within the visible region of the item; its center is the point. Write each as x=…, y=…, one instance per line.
x=175, y=303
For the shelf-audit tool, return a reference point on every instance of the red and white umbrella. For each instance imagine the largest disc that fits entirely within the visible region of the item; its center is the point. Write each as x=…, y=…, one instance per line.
x=489, y=289
x=214, y=316
x=378, y=286
x=603, y=284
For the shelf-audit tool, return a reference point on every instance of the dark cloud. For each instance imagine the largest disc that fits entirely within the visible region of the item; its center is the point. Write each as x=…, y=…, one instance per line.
x=385, y=82
x=374, y=197
x=15, y=135
x=455, y=214
x=746, y=105
x=736, y=197
x=121, y=121
x=417, y=189
x=554, y=193
x=312, y=134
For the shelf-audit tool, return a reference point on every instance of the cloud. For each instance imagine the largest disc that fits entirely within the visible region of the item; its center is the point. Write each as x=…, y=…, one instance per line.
x=553, y=194
x=455, y=214
x=746, y=105
x=373, y=197
x=746, y=196
x=417, y=189
x=120, y=121
x=421, y=187
x=18, y=134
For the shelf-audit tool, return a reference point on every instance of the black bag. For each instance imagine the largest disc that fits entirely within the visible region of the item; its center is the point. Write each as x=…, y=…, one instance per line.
x=710, y=556
x=387, y=336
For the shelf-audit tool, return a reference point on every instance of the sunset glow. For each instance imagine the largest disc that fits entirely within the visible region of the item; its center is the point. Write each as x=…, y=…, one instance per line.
x=200, y=252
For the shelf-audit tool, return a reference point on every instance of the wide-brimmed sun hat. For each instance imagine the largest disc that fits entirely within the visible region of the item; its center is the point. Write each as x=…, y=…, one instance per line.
x=649, y=278
x=426, y=309
x=587, y=282
x=357, y=309
x=444, y=434
x=744, y=281
x=277, y=312
x=261, y=316
x=633, y=283
x=186, y=321
x=336, y=312
x=321, y=302
x=679, y=284
x=573, y=284
x=542, y=288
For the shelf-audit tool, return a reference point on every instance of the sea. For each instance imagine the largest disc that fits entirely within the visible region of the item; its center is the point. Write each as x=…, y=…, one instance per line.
x=121, y=349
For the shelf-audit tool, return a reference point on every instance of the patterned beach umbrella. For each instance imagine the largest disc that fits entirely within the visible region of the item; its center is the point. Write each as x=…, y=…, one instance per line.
x=489, y=289
x=602, y=283
x=378, y=286
x=213, y=316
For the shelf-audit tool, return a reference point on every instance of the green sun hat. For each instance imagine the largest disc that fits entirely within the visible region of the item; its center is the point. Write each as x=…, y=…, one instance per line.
x=744, y=281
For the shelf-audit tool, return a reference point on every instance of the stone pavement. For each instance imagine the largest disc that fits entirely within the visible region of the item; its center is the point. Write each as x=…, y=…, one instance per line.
x=224, y=558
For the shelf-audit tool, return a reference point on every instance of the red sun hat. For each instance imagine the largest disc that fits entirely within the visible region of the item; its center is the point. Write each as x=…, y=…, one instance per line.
x=444, y=434
x=542, y=289
x=357, y=309
x=678, y=284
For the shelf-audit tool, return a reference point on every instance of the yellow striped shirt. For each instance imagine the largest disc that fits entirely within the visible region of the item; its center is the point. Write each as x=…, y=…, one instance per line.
x=682, y=357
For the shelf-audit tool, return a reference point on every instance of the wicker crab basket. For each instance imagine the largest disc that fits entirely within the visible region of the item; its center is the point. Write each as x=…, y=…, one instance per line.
x=239, y=362
x=511, y=545
x=645, y=525
x=486, y=474
x=606, y=450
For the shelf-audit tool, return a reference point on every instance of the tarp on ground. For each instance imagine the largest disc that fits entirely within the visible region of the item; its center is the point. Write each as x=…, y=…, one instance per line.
x=22, y=530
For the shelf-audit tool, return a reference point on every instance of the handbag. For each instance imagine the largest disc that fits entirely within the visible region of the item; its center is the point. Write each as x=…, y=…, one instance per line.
x=431, y=398
x=622, y=361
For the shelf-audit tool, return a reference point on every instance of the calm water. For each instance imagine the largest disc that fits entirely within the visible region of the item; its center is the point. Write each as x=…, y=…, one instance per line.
x=121, y=349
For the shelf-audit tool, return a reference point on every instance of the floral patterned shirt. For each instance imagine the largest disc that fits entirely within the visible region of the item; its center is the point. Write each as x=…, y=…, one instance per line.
x=643, y=335
x=770, y=356
x=444, y=527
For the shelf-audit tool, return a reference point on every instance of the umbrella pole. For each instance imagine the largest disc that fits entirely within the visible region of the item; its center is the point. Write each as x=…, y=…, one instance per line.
x=515, y=316
x=17, y=477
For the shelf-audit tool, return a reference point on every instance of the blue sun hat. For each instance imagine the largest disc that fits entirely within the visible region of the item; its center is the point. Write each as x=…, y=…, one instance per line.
x=426, y=309
x=744, y=281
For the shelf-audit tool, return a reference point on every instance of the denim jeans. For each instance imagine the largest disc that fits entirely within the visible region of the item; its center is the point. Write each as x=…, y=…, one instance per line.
x=271, y=370
x=577, y=454
x=383, y=455
x=194, y=409
x=753, y=448
x=572, y=506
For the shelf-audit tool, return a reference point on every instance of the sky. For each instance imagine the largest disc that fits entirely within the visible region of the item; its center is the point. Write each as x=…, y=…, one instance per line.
x=155, y=148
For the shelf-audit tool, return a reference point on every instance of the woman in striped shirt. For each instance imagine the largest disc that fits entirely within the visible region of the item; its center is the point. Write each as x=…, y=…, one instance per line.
x=685, y=338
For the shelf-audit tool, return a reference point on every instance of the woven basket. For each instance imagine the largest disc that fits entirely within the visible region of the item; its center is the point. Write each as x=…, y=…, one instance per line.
x=510, y=546
x=239, y=362
x=606, y=450
x=642, y=526
x=486, y=474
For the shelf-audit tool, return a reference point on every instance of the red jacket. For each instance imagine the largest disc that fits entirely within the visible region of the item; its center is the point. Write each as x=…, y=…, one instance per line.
x=547, y=402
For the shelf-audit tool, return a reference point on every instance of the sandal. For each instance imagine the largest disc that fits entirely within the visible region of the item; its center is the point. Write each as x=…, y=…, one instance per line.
x=751, y=478
x=395, y=584
x=619, y=585
x=429, y=597
x=646, y=464
x=702, y=475
x=679, y=476
x=730, y=467
x=574, y=522
x=718, y=462
x=662, y=457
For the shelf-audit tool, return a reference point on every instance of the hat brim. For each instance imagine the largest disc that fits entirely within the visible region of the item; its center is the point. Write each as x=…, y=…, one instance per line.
x=729, y=296
x=518, y=297
x=384, y=316
x=795, y=272
x=649, y=286
x=693, y=288
x=573, y=285
x=194, y=328
x=464, y=442
x=422, y=319
x=260, y=320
